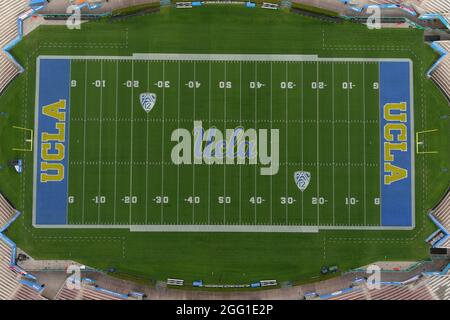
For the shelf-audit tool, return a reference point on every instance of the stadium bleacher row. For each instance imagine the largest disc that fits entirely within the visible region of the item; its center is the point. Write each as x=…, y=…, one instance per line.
x=434, y=8
x=440, y=73
x=7, y=212
x=86, y=292
x=17, y=284
x=441, y=213
x=387, y=1
x=435, y=286
x=10, y=11
x=10, y=286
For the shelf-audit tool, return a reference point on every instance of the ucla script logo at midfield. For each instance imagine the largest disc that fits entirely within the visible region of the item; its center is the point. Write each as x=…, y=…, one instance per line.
x=302, y=179
x=147, y=100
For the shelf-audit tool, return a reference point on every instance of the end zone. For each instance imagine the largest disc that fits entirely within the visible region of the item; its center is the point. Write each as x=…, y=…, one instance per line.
x=51, y=142
x=396, y=137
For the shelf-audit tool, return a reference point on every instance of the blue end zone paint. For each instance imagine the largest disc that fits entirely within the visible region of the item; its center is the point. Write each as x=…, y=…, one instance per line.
x=396, y=198
x=51, y=197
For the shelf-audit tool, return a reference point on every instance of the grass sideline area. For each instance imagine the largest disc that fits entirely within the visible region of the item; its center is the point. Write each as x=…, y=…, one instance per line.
x=142, y=8
x=224, y=257
x=317, y=10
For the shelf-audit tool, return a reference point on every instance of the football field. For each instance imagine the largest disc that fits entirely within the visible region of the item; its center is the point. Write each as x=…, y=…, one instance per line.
x=136, y=132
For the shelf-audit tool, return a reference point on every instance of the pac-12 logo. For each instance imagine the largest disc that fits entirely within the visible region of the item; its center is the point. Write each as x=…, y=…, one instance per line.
x=302, y=179
x=52, y=143
x=147, y=100
x=395, y=132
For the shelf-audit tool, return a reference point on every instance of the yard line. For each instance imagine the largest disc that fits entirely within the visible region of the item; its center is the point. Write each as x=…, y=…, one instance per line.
x=240, y=124
x=256, y=127
x=271, y=125
x=286, y=141
x=100, y=143
x=115, y=142
x=193, y=163
x=348, y=141
x=318, y=145
x=178, y=167
x=379, y=128
x=224, y=129
x=209, y=122
x=364, y=136
x=162, y=141
x=84, y=138
x=131, y=139
x=146, y=150
x=302, y=108
x=332, y=124
x=68, y=142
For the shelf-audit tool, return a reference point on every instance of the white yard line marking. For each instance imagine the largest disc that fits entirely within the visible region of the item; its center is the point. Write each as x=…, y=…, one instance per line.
x=100, y=144
x=318, y=145
x=146, y=150
x=84, y=139
x=240, y=124
x=209, y=122
x=348, y=142
x=379, y=146
x=332, y=124
x=256, y=128
x=131, y=140
x=271, y=126
x=68, y=142
x=193, y=163
x=364, y=139
x=178, y=167
x=162, y=141
x=224, y=129
x=115, y=141
x=286, y=141
x=302, y=140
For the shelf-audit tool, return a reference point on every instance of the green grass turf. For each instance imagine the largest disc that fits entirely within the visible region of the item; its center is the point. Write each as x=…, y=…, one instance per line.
x=225, y=257
x=120, y=156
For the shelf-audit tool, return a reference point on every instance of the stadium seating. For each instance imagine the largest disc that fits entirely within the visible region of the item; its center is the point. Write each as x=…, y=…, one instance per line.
x=442, y=211
x=7, y=212
x=439, y=285
x=387, y=1
x=7, y=277
x=436, y=6
x=8, y=24
x=10, y=287
x=86, y=292
x=440, y=72
x=420, y=290
x=434, y=9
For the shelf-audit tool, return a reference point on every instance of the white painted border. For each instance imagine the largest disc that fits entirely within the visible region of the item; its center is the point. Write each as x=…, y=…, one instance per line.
x=413, y=143
x=226, y=228
x=36, y=123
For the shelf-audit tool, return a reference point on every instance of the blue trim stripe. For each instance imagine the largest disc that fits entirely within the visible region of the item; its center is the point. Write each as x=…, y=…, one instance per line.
x=436, y=222
x=111, y=293
x=6, y=226
x=438, y=48
x=338, y=293
x=432, y=16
